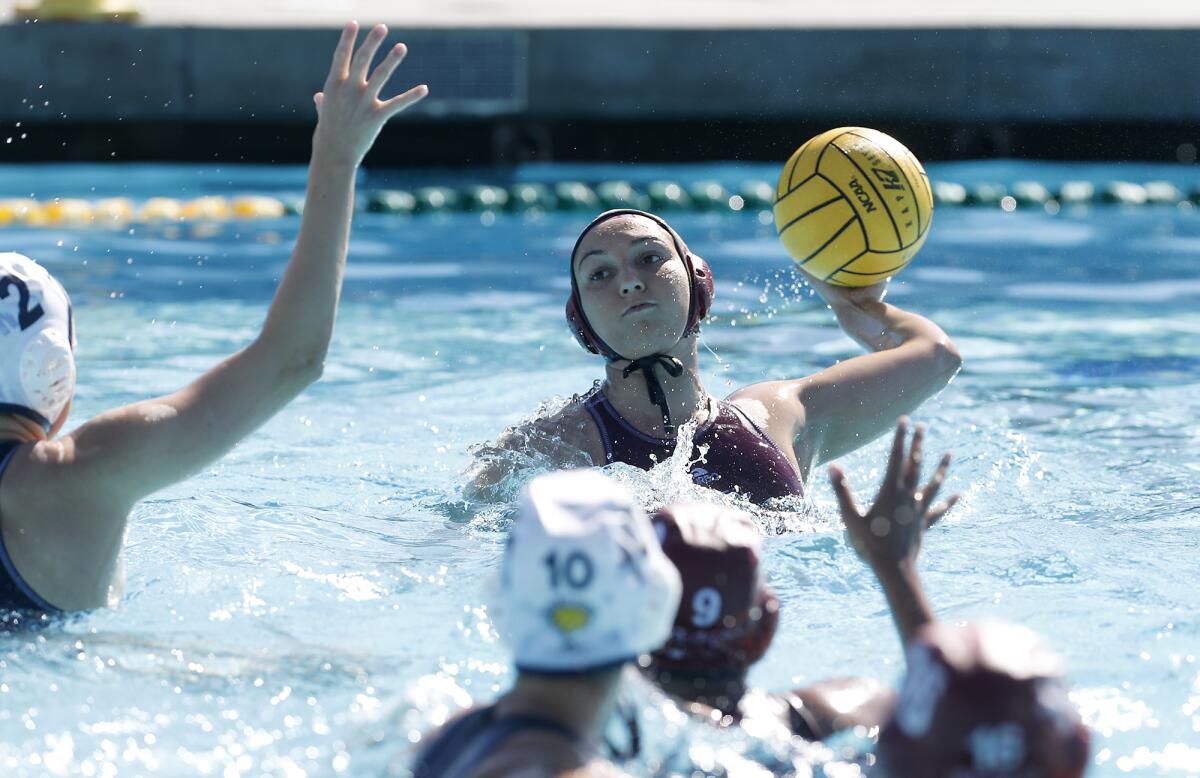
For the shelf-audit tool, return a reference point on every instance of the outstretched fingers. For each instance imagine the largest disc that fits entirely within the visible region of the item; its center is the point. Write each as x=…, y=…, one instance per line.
x=400, y=102
x=929, y=493
x=935, y=515
x=386, y=68
x=339, y=69
x=361, y=62
x=841, y=488
x=912, y=465
x=891, y=479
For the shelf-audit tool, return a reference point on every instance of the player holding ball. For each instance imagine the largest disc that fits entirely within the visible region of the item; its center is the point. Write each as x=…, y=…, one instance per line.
x=853, y=207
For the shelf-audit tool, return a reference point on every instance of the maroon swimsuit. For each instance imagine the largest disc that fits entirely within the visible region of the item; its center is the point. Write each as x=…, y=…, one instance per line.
x=740, y=458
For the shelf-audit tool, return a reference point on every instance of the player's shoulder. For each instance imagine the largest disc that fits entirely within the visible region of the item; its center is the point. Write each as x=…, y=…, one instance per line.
x=557, y=428
x=773, y=405
x=38, y=475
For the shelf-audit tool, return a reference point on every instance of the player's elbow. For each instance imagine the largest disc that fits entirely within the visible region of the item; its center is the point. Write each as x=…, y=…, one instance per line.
x=300, y=370
x=288, y=366
x=308, y=369
x=946, y=356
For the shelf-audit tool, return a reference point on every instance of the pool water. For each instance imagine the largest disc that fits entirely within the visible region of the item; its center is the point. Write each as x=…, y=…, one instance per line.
x=315, y=601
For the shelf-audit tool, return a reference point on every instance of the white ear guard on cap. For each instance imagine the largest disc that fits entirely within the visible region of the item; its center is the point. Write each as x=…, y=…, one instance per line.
x=585, y=584
x=37, y=360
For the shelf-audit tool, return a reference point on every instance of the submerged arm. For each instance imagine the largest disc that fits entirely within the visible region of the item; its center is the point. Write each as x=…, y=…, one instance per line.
x=563, y=439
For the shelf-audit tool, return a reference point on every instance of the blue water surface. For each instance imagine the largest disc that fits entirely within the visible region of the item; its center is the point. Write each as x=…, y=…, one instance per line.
x=318, y=599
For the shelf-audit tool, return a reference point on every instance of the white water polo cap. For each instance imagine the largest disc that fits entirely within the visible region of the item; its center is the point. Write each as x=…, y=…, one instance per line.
x=584, y=584
x=37, y=360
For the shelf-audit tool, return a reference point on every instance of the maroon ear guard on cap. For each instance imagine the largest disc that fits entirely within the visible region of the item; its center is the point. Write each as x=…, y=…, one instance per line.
x=982, y=701
x=727, y=616
x=702, y=287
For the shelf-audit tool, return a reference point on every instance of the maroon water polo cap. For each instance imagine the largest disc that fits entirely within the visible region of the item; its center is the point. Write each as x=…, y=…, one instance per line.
x=727, y=614
x=984, y=700
x=701, y=286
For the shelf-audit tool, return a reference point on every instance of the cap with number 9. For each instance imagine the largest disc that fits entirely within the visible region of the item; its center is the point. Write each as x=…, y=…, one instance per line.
x=584, y=585
x=727, y=614
x=37, y=361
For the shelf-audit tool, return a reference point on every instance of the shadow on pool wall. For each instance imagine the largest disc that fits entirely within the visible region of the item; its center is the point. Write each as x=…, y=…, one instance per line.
x=509, y=143
x=506, y=96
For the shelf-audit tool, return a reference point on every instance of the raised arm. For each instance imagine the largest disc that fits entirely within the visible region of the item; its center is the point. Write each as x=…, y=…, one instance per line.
x=888, y=535
x=125, y=454
x=856, y=401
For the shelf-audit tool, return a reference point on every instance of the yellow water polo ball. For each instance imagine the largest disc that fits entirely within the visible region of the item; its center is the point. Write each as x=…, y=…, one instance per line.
x=853, y=206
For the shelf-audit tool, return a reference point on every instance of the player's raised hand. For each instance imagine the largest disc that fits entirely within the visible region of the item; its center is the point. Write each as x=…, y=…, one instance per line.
x=890, y=531
x=350, y=113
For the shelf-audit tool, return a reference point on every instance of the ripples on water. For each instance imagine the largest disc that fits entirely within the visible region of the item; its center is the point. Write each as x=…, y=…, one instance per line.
x=316, y=601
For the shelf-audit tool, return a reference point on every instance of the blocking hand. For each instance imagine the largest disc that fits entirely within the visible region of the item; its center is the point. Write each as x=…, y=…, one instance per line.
x=890, y=532
x=349, y=111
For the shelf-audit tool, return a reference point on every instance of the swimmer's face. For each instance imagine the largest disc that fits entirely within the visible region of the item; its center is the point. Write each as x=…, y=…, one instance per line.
x=633, y=285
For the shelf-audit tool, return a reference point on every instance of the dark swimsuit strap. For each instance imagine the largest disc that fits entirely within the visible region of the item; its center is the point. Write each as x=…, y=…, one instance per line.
x=7, y=449
x=488, y=736
x=599, y=406
x=746, y=418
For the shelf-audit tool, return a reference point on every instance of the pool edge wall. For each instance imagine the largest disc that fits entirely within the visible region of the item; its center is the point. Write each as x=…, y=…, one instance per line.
x=103, y=92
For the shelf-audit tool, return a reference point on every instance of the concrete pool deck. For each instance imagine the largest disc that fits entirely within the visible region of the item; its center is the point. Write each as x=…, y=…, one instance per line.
x=535, y=78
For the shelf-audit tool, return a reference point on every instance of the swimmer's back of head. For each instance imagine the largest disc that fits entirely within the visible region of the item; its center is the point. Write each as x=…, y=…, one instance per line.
x=727, y=615
x=983, y=700
x=37, y=359
x=584, y=585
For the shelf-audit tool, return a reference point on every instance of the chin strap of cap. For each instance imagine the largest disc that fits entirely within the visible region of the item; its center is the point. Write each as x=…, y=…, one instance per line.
x=657, y=396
